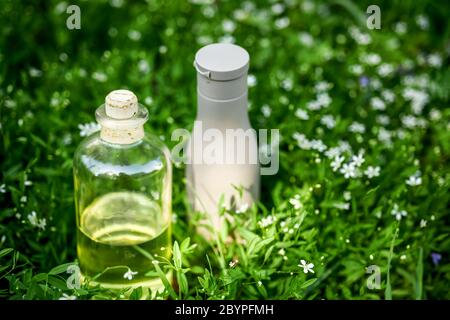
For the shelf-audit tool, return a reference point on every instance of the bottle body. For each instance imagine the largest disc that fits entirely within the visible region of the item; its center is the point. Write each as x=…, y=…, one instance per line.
x=222, y=151
x=123, y=206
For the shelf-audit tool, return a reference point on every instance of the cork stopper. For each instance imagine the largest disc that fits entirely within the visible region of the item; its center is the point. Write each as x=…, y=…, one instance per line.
x=121, y=118
x=121, y=104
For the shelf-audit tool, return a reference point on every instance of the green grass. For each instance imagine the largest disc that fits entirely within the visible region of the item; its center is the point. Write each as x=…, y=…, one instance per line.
x=52, y=79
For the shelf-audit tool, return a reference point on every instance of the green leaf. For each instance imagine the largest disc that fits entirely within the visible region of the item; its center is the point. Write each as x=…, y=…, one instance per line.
x=307, y=283
x=61, y=268
x=182, y=283
x=418, y=285
x=6, y=251
x=176, y=256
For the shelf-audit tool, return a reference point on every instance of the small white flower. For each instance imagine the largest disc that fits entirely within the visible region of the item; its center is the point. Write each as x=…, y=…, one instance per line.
x=266, y=221
x=356, y=69
x=322, y=86
x=423, y=223
x=3, y=188
x=65, y=296
x=411, y=122
x=35, y=73
x=337, y=162
x=377, y=104
x=129, y=274
x=371, y=59
x=333, y=152
x=42, y=223
x=358, y=160
x=243, y=208
x=372, y=172
x=348, y=170
x=383, y=119
x=318, y=145
x=306, y=39
x=251, y=80
x=266, y=110
x=35, y=221
x=435, y=115
x=414, y=180
x=388, y=96
x=28, y=183
x=228, y=26
x=342, y=205
x=347, y=195
x=400, y=27
x=282, y=252
x=328, y=121
x=67, y=139
x=277, y=8
x=302, y=141
x=398, y=214
x=422, y=21
x=87, y=129
x=324, y=99
x=23, y=199
x=99, y=76
x=296, y=203
x=307, y=267
x=418, y=99
x=282, y=23
x=143, y=66
x=385, y=69
x=233, y=263
x=301, y=114
x=385, y=136
x=134, y=35
x=402, y=257
x=357, y=127
x=435, y=60
x=32, y=218
x=344, y=146
x=287, y=84
x=359, y=37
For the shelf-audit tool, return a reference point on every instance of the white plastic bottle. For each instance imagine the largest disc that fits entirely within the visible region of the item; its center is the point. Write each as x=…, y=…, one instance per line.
x=222, y=151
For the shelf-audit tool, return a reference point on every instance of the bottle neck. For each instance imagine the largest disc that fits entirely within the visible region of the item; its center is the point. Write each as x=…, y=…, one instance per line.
x=222, y=104
x=122, y=131
x=228, y=112
x=122, y=135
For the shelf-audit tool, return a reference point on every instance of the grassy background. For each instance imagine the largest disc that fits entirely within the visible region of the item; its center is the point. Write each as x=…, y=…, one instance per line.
x=52, y=79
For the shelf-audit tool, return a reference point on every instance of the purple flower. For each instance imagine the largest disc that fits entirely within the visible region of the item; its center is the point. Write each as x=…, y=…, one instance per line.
x=436, y=257
x=364, y=81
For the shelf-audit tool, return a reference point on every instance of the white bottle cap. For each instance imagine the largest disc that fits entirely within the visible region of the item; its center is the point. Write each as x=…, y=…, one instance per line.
x=222, y=71
x=121, y=104
x=222, y=61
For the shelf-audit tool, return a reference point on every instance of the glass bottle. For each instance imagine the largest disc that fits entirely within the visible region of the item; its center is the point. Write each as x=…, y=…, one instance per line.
x=122, y=182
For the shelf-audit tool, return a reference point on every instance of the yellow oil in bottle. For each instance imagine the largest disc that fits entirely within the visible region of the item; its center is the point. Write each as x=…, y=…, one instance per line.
x=110, y=231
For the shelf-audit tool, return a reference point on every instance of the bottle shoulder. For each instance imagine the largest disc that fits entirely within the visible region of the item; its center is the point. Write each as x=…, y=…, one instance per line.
x=146, y=156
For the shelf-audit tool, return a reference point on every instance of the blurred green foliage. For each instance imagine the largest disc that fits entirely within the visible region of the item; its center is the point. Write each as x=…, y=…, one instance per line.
x=53, y=78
